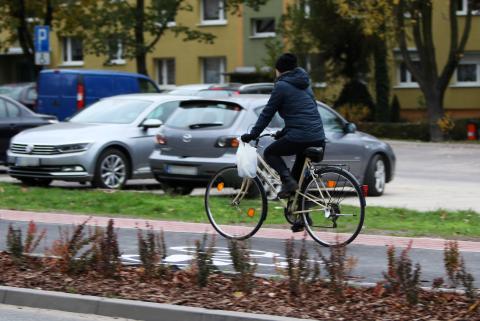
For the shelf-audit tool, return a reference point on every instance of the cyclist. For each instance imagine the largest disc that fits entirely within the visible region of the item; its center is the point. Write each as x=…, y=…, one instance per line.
x=293, y=98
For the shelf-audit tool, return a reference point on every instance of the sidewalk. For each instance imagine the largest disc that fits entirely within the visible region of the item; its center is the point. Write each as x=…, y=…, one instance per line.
x=183, y=227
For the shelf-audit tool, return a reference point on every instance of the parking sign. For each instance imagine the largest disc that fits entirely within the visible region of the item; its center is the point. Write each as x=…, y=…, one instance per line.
x=42, y=45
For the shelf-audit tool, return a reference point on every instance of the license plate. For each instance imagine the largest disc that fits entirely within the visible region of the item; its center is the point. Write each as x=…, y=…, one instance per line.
x=27, y=161
x=182, y=170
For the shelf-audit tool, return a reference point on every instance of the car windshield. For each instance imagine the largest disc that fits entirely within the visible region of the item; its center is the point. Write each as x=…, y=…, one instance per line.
x=208, y=115
x=10, y=91
x=112, y=111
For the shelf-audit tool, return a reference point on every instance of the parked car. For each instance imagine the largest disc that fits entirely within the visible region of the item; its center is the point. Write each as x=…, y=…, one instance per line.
x=106, y=143
x=63, y=92
x=205, y=90
x=257, y=88
x=200, y=138
x=24, y=93
x=14, y=117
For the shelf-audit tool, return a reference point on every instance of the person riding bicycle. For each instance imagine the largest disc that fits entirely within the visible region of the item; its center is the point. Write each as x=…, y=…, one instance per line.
x=292, y=97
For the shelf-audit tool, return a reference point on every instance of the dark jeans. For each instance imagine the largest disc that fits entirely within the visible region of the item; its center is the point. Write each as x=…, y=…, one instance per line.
x=284, y=147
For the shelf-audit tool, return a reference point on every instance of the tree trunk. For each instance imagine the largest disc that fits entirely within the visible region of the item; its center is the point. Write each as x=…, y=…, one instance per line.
x=435, y=111
x=140, y=55
x=141, y=59
x=382, y=81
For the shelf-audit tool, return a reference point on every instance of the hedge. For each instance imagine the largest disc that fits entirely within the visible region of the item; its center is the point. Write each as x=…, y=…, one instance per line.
x=416, y=131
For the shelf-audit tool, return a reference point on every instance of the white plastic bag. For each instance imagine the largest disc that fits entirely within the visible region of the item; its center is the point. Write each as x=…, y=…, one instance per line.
x=246, y=160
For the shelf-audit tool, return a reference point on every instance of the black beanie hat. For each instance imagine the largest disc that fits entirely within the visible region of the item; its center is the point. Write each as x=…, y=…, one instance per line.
x=286, y=62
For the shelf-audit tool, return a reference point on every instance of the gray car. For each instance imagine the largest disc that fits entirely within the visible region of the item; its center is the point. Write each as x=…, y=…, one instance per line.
x=106, y=143
x=200, y=138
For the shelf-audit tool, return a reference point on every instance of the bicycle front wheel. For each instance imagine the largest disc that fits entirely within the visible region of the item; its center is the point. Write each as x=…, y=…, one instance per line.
x=333, y=207
x=236, y=207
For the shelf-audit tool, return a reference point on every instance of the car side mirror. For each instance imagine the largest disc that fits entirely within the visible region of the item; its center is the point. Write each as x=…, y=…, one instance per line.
x=151, y=123
x=350, y=128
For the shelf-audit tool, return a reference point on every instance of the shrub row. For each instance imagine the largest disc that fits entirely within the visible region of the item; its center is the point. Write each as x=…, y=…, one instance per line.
x=81, y=249
x=415, y=131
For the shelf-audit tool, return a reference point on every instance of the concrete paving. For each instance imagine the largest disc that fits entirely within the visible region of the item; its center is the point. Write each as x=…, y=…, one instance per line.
x=21, y=313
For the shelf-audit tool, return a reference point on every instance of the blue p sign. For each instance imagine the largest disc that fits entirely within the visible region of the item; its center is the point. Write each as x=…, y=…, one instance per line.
x=42, y=39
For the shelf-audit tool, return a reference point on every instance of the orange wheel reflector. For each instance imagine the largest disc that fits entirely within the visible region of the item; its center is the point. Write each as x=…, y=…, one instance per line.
x=251, y=212
x=331, y=184
x=220, y=186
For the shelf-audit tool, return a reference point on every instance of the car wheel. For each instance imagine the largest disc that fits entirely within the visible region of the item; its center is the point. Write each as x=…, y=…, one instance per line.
x=376, y=176
x=112, y=169
x=41, y=182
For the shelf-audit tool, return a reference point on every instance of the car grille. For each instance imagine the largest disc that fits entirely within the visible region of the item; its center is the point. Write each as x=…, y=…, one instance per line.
x=34, y=149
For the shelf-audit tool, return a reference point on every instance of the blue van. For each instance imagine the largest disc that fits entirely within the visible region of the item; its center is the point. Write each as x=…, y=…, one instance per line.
x=63, y=92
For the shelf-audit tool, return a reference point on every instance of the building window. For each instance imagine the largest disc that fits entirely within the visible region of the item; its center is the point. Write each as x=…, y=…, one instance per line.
x=405, y=78
x=72, y=49
x=213, y=70
x=467, y=73
x=213, y=12
x=166, y=71
x=462, y=6
x=264, y=27
x=115, y=54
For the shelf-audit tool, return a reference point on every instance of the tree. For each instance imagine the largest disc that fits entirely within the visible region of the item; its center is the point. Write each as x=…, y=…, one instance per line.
x=18, y=20
x=345, y=47
x=137, y=25
x=376, y=21
x=414, y=17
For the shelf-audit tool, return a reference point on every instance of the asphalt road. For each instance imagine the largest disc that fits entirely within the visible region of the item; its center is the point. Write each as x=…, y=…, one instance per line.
x=428, y=176
x=16, y=313
x=269, y=254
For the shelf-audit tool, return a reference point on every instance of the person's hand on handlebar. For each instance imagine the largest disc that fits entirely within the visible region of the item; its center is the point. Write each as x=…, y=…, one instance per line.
x=247, y=138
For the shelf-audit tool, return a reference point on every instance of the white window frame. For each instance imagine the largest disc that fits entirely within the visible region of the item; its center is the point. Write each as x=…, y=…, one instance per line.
x=161, y=66
x=463, y=12
x=221, y=21
x=468, y=61
x=405, y=84
x=119, y=60
x=223, y=63
x=69, y=61
x=256, y=34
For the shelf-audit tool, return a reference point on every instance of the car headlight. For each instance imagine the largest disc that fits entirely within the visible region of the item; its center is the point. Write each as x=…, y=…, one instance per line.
x=73, y=148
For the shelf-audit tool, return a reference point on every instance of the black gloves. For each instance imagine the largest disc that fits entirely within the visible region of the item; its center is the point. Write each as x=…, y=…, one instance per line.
x=247, y=138
x=279, y=134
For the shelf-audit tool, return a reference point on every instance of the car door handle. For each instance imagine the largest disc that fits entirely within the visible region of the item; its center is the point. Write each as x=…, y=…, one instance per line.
x=55, y=103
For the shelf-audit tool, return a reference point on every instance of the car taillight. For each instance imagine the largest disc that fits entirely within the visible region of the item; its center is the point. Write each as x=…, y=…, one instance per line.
x=227, y=142
x=80, y=96
x=161, y=140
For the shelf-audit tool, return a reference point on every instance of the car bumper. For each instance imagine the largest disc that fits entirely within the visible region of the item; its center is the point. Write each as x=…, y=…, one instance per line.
x=68, y=167
x=204, y=168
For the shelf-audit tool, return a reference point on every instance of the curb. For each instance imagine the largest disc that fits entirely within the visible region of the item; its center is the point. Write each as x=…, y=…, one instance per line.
x=120, y=308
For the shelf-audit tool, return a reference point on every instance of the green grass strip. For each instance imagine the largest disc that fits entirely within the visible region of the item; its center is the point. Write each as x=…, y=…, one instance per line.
x=389, y=221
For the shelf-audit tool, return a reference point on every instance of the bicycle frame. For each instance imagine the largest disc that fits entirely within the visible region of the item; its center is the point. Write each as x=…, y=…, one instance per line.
x=269, y=176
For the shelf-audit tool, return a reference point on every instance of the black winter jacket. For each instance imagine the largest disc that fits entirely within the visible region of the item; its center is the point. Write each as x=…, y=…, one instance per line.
x=293, y=98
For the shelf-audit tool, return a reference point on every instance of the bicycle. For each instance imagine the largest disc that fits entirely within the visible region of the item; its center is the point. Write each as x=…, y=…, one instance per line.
x=329, y=201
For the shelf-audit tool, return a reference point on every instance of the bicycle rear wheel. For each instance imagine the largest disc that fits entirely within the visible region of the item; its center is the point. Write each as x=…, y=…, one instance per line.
x=236, y=207
x=333, y=207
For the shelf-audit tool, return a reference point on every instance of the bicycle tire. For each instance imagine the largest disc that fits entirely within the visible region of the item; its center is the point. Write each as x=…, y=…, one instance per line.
x=334, y=208
x=229, y=176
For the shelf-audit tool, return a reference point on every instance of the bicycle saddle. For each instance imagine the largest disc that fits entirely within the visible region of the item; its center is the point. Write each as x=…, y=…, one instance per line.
x=314, y=153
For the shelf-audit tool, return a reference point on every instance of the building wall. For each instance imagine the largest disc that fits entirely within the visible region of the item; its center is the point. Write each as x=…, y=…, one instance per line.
x=461, y=101
x=254, y=49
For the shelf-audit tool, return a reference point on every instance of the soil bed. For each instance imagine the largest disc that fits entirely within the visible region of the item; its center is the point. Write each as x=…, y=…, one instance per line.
x=268, y=296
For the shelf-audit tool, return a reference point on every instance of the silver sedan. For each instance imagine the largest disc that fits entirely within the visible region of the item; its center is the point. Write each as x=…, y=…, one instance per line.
x=107, y=143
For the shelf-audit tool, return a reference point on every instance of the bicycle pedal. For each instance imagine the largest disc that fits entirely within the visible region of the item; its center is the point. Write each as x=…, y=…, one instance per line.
x=297, y=228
